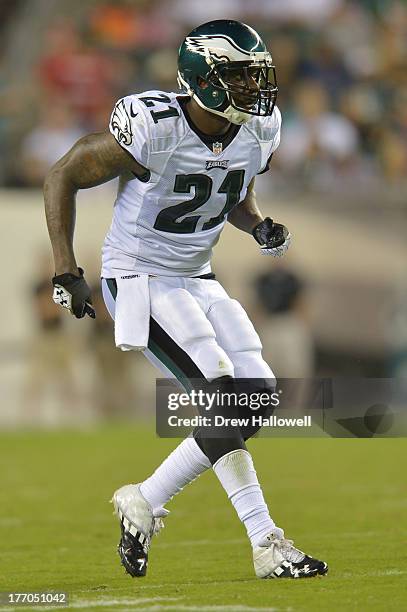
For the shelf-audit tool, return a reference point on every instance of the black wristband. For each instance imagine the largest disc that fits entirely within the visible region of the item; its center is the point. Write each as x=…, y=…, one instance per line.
x=67, y=277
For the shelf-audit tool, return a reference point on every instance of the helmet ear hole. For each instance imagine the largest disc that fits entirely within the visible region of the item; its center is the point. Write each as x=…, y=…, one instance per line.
x=202, y=83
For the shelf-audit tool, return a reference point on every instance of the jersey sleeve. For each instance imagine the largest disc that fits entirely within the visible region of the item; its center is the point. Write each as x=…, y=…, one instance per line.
x=269, y=139
x=128, y=125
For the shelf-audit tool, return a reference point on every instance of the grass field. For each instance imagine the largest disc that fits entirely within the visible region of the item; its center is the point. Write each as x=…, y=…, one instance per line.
x=341, y=500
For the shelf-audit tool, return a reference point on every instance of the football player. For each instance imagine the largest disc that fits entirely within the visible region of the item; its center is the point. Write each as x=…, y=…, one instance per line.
x=187, y=164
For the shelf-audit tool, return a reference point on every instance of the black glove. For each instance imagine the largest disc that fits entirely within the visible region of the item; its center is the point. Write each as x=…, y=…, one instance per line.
x=72, y=292
x=273, y=238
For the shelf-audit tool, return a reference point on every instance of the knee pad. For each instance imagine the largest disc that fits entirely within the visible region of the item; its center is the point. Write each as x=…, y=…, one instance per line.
x=250, y=364
x=210, y=358
x=236, y=334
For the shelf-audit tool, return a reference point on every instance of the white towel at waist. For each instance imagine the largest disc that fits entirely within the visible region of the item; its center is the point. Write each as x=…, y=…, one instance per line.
x=132, y=313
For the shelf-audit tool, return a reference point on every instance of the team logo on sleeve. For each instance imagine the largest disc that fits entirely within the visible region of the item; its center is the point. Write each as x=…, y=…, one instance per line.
x=120, y=122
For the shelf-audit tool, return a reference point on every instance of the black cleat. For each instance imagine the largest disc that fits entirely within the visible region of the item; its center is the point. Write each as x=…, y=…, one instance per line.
x=307, y=568
x=138, y=524
x=133, y=555
x=276, y=557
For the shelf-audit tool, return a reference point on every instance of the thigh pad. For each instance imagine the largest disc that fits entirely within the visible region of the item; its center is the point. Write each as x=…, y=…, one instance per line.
x=182, y=318
x=234, y=330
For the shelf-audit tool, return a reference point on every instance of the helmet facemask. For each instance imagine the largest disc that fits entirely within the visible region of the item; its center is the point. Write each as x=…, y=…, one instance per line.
x=250, y=87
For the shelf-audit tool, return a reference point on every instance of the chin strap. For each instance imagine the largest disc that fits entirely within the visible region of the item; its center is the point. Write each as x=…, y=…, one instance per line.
x=236, y=117
x=230, y=113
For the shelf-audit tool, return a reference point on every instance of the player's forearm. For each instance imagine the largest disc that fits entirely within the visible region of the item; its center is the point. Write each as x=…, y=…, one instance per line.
x=59, y=197
x=246, y=215
x=93, y=160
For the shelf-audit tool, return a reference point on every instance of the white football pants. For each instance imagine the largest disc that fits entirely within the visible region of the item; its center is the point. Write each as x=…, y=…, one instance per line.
x=197, y=330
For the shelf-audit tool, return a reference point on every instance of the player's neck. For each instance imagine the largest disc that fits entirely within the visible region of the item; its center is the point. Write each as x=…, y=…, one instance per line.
x=206, y=122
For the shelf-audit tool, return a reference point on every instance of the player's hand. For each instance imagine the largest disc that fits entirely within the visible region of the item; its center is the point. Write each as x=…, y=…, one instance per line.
x=273, y=238
x=71, y=291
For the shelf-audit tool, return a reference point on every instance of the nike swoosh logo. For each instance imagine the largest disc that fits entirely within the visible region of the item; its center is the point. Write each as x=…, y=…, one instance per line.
x=131, y=111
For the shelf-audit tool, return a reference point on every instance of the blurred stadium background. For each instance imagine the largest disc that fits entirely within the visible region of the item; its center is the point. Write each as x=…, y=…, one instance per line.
x=336, y=305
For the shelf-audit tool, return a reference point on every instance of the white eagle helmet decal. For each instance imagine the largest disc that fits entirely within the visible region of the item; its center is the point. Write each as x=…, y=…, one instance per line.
x=221, y=47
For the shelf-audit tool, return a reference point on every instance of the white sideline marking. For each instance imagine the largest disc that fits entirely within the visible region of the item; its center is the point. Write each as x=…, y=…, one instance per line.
x=352, y=534
x=101, y=603
x=379, y=573
x=104, y=603
x=214, y=608
x=10, y=522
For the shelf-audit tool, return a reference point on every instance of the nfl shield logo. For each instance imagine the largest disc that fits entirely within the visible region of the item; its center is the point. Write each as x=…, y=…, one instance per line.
x=217, y=148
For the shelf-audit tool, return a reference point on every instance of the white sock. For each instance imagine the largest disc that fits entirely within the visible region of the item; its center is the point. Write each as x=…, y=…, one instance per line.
x=182, y=466
x=236, y=472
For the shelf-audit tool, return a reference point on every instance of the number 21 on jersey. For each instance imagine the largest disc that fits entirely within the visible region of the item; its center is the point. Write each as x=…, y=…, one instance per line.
x=169, y=219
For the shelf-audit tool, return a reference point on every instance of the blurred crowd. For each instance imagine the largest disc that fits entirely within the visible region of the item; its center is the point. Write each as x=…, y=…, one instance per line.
x=342, y=76
x=341, y=69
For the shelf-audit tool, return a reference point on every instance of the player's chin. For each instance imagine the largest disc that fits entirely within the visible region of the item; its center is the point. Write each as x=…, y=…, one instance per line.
x=245, y=104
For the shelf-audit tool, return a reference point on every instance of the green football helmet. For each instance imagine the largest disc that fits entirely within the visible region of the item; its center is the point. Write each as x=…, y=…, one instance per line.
x=225, y=66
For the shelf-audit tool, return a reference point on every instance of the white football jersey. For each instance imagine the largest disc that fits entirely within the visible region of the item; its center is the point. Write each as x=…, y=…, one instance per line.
x=168, y=221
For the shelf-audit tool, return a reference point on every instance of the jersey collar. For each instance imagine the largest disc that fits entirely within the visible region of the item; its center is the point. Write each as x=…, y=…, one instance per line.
x=208, y=141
